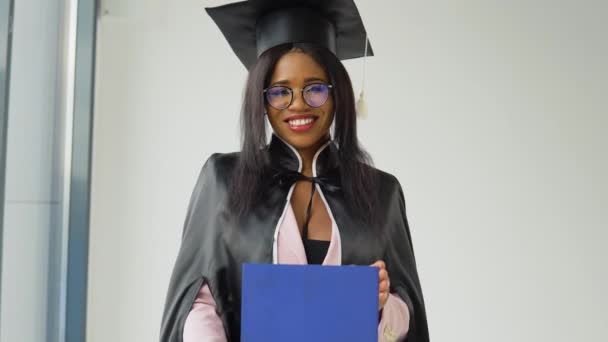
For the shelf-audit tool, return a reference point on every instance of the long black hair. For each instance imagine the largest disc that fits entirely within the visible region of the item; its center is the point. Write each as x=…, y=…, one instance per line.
x=358, y=184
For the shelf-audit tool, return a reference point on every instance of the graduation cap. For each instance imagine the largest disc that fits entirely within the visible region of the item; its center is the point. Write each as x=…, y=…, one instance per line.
x=254, y=26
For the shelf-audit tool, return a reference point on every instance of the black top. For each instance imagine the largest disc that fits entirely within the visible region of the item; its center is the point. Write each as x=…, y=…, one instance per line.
x=315, y=251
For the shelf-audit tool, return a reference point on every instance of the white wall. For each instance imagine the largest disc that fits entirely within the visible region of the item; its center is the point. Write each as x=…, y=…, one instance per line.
x=492, y=115
x=32, y=196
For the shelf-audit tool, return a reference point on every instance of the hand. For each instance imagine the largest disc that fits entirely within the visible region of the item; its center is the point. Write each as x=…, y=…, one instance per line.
x=384, y=283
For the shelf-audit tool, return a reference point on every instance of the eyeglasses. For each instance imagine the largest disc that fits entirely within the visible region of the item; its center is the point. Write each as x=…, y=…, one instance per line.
x=281, y=97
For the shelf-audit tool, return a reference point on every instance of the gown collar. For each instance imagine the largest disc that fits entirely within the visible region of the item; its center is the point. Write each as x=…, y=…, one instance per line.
x=285, y=156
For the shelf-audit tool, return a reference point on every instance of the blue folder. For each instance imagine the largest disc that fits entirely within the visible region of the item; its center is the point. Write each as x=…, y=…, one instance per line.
x=309, y=303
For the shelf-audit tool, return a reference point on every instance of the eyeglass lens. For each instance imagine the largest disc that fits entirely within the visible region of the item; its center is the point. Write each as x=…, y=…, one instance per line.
x=280, y=97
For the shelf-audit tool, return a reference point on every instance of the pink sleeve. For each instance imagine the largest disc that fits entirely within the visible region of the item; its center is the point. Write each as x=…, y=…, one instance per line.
x=202, y=323
x=395, y=321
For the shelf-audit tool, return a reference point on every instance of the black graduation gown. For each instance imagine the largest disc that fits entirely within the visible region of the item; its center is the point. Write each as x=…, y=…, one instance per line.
x=214, y=245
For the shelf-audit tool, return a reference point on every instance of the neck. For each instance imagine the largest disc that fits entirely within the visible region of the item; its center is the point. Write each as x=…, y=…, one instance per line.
x=308, y=155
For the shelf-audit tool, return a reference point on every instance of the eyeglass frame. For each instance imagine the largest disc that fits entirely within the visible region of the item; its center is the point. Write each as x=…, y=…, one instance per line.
x=328, y=85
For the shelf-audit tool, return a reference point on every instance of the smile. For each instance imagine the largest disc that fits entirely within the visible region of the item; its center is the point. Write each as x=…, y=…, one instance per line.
x=301, y=123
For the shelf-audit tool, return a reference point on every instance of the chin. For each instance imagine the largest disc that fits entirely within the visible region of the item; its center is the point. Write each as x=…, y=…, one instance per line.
x=303, y=142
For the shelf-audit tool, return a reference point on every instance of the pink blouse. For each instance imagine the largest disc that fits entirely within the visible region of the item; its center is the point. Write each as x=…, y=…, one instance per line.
x=203, y=323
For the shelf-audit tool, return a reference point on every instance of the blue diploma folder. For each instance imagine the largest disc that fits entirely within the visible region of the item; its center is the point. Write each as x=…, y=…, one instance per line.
x=309, y=303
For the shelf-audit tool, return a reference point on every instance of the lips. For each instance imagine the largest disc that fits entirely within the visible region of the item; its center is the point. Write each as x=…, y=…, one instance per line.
x=301, y=122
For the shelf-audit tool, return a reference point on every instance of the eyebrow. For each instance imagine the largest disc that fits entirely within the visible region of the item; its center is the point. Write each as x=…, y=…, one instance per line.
x=312, y=79
x=307, y=80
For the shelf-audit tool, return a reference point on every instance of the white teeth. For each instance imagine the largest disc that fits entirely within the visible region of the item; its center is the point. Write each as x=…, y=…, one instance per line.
x=300, y=122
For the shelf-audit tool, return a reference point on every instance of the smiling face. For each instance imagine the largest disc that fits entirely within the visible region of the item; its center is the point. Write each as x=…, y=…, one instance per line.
x=301, y=125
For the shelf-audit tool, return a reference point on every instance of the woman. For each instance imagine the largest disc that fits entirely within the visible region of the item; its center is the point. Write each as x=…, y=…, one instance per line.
x=308, y=196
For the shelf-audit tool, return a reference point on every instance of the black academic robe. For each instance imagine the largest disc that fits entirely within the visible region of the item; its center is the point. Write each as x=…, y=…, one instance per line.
x=214, y=245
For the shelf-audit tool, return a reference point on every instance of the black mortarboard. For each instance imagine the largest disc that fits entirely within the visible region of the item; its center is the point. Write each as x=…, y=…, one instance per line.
x=252, y=27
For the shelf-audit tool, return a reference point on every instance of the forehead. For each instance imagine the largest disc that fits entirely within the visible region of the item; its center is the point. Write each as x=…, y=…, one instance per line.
x=295, y=67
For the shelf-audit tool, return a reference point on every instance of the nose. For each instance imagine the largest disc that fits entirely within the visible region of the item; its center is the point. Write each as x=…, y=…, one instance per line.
x=298, y=102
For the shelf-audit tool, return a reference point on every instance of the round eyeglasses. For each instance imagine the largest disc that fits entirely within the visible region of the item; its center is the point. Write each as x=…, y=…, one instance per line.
x=281, y=97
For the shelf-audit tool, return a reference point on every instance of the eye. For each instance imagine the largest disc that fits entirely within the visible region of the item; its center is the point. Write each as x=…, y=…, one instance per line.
x=278, y=92
x=316, y=88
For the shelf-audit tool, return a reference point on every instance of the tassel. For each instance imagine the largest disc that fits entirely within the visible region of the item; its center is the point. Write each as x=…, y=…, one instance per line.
x=361, y=106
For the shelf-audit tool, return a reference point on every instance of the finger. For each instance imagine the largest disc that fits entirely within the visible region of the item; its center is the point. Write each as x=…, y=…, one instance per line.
x=380, y=264
x=383, y=286
x=383, y=275
x=382, y=298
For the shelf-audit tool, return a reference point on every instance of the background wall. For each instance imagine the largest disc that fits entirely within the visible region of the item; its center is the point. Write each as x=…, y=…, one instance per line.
x=492, y=115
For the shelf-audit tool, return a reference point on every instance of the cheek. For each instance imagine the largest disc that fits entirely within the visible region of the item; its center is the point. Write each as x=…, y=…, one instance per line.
x=273, y=116
x=328, y=108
